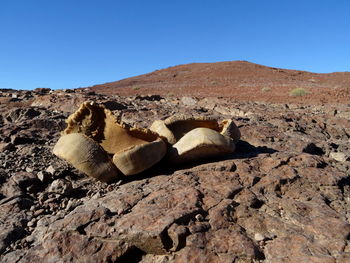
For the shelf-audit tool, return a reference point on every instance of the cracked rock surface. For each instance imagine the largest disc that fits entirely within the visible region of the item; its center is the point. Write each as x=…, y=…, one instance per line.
x=283, y=196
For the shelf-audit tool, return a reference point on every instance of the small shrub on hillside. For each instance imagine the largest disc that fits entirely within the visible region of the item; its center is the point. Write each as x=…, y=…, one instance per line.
x=266, y=89
x=135, y=88
x=298, y=92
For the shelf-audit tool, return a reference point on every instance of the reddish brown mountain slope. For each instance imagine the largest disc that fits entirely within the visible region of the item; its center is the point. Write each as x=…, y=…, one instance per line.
x=240, y=80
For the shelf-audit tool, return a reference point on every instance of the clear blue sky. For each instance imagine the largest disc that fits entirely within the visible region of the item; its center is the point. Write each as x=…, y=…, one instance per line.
x=75, y=43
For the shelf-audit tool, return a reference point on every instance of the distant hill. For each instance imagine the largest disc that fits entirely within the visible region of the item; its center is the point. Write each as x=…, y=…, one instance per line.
x=237, y=79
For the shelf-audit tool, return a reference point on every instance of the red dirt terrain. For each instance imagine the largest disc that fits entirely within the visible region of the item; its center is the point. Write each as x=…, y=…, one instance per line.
x=282, y=196
x=240, y=80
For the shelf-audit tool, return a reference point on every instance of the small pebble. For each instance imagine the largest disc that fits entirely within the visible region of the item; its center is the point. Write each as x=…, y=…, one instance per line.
x=39, y=212
x=29, y=169
x=199, y=218
x=43, y=176
x=259, y=237
x=96, y=196
x=31, y=223
x=50, y=170
x=50, y=200
x=119, y=182
x=61, y=186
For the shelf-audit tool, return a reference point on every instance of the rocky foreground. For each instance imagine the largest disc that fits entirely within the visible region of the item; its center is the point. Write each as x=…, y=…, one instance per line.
x=283, y=196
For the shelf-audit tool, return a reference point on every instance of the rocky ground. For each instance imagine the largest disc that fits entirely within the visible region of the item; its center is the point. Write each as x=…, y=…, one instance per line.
x=283, y=196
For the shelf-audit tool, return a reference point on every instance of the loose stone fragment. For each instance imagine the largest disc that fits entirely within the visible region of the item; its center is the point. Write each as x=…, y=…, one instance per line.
x=60, y=186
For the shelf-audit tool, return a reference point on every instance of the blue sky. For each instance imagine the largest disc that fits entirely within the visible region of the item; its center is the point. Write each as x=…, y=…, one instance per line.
x=63, y=44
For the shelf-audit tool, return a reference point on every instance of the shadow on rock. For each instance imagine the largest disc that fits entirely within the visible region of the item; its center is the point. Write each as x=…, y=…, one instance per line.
x=246, y=150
